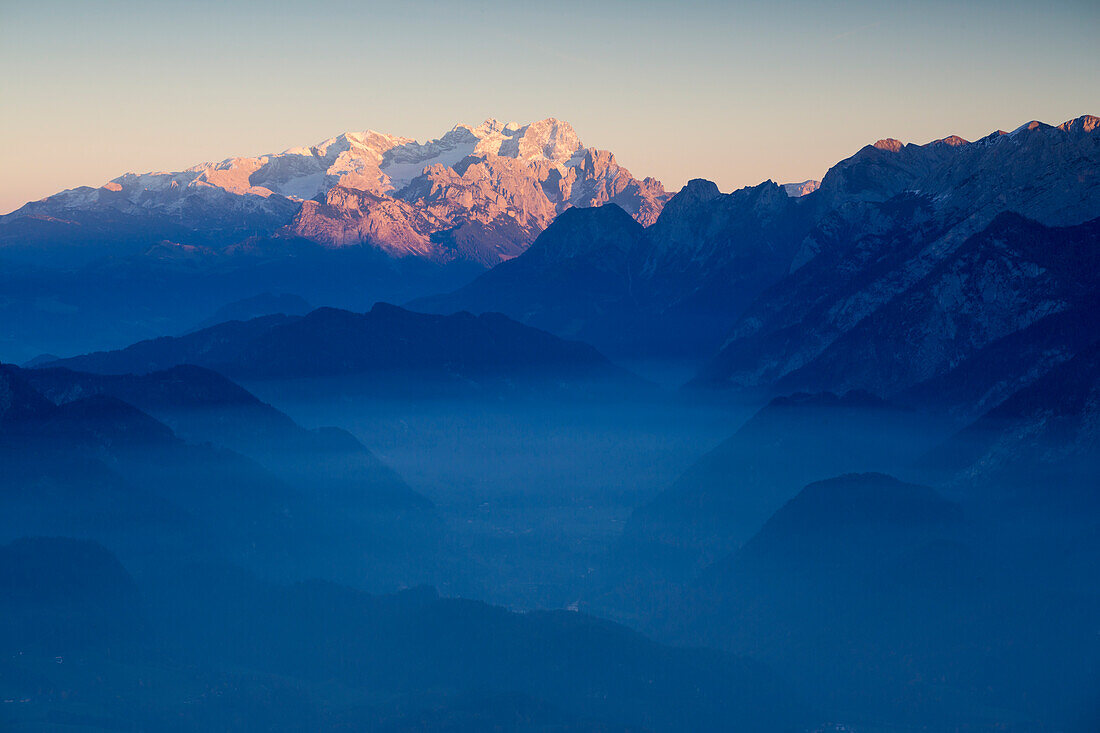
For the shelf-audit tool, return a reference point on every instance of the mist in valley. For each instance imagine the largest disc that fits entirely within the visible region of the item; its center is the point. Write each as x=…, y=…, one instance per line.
x=534, y=491
x=486, y=432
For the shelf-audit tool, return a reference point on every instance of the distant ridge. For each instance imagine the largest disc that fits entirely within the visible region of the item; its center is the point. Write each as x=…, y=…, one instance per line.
x=258, y=305
x=387, y=340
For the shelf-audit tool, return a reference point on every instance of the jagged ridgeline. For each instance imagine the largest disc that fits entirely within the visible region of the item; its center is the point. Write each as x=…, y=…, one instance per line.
x=771, y=282
x=476, y=193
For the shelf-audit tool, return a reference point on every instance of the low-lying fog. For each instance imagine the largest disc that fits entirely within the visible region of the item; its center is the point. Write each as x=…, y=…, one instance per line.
x=533, y=490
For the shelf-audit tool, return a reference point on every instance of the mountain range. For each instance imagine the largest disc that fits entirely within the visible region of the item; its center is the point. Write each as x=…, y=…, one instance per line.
x=767, y=285
x=905, y=526
x=667, y=290
x=478, y=193
x=771, y=281
x=960, y=243
x=359, y=218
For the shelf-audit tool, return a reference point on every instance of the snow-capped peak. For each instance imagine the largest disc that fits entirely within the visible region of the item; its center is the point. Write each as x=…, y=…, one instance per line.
x=506, y=180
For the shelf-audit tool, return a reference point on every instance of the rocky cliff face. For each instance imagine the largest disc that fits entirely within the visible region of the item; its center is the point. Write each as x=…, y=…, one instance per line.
x=794, y=190
x=1012, y=274
x=477, y=193
x=910, y=230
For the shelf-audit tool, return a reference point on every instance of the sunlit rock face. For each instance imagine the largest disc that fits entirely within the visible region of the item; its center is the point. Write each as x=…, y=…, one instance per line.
x=477, y=193
x=796, y=190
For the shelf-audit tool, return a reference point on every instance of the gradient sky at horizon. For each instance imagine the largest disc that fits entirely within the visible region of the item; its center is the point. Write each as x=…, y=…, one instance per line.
x=734, y=92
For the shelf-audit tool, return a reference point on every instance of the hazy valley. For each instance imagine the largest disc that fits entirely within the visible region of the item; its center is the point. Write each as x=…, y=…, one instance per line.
x=486, y=433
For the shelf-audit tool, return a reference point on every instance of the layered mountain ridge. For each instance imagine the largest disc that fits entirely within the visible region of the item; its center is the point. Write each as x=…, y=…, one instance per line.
x=388, y=342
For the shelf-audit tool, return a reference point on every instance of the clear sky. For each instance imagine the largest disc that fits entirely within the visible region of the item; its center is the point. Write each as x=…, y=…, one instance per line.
x=734, y=92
